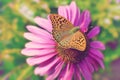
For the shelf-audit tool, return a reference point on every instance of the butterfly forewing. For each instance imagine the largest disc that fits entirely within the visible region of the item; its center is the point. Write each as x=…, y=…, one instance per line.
x=60, y=23
x=61, y=26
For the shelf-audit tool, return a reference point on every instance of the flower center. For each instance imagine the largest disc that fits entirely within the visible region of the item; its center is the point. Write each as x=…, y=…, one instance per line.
x=71, y=55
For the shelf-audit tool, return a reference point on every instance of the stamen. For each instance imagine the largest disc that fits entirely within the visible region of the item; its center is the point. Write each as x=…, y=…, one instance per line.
x=71, y=55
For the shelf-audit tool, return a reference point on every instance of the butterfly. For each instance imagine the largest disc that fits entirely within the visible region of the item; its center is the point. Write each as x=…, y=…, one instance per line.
x=66, y=35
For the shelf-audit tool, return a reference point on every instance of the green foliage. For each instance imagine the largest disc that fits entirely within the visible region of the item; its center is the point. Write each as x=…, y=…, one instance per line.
x=13, y=22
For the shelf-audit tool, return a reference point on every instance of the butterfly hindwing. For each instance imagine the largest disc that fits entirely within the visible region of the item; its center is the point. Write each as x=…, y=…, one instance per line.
x=78, y=41
x=74, y=41
x=60, y=23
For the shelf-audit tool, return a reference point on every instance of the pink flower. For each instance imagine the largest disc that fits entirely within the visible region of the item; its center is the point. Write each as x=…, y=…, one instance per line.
x=43, y=53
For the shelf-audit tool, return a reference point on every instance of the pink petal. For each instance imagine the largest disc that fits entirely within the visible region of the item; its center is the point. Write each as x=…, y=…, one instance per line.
x=98, y=45
x=89, y=65
x=77, y=74
x=37, y=60
x=68, y=11
x=39, y=31
x=99, y=61
x=75, y=14
x=71, y=12
x=45, y=63
x=62, y=11
x=93, y=62
x=95, y=31
x=37, y=52
x=85, y=71
x=61, y=75
x=44, y=23
x=39, y=45
x=43, y=70
x=97, y=53
x=56, y=72
x=37, y=38
x=85, y=20
x=68, y=74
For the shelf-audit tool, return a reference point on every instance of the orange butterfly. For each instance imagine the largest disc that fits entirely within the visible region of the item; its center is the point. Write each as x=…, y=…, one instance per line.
x=66, y=35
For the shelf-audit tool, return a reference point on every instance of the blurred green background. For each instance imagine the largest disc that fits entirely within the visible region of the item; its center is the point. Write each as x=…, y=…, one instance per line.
x=16, y=14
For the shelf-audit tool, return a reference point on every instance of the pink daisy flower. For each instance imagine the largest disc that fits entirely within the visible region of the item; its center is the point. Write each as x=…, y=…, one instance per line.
x=61, y=64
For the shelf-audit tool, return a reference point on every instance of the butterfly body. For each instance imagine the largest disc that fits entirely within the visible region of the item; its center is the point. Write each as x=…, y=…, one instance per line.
x=66, y=35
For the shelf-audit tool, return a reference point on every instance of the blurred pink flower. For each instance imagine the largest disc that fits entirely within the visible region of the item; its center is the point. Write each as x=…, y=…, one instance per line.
x=117, y=1
x=43, y=53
